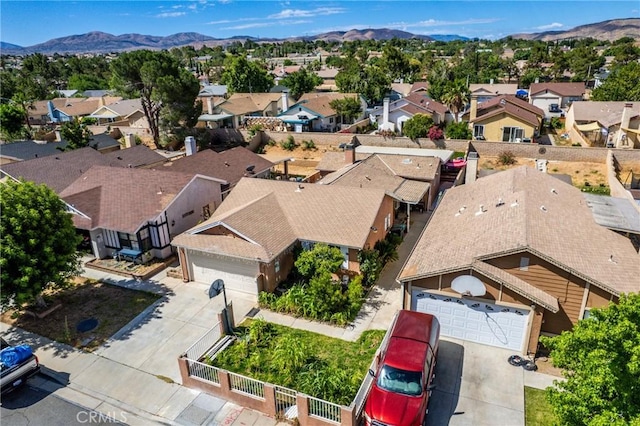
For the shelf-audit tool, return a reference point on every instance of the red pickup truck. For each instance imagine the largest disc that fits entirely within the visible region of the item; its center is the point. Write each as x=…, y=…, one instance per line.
x=402, y=385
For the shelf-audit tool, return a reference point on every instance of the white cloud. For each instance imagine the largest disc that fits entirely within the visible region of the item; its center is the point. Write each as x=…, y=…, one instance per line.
x=300, y=13
x=548, y=27
x=266, y=24
x=170, y=14
x=435, y=23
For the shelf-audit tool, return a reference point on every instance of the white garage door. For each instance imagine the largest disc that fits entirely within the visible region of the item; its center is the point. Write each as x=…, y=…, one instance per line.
x=479, y=322
x=236, y=275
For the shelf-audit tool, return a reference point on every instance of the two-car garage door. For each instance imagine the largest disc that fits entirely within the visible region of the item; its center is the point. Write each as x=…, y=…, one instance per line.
x=236, y=275
x=476, y=321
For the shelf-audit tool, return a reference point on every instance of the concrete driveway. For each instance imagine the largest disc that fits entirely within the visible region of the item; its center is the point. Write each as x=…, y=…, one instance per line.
x=475, y=385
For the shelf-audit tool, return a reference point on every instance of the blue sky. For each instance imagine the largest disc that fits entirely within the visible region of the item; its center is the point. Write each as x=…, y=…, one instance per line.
x=26, y=23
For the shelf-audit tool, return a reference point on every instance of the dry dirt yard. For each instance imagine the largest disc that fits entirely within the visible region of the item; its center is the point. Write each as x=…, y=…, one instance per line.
x=305, y=160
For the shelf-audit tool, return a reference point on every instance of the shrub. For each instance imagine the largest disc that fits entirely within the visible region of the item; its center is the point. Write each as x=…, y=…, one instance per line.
x=254, y=129
x=506, y=158
x=309, y=145
x=289, y=144
x=435, y=133
x=556, y=123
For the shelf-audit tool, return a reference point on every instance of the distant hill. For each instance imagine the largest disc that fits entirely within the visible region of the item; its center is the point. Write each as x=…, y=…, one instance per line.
x=100, y=42
x=607, y=30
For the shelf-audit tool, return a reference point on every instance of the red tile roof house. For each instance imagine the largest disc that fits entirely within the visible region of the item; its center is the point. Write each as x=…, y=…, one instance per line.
x=249, y=240
x=139, y=210
x=230, y=165
x=563, y=94
x=530, y=243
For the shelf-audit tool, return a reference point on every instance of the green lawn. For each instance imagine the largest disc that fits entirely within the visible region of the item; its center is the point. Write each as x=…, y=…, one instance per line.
x=537, y=411
x=318, y=365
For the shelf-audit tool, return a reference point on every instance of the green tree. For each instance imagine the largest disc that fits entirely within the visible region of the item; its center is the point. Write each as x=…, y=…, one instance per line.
x=417, y=126
x=82, y=82
x=11, y=119
x=456, y=96
x=458, y=130
x=600, y=359
x=159, y=80
x=243, y=76
x=620, y=85
x=348, y=108
x=76, y=134
x=321, y=258
x=301, y=82
x=37, y=240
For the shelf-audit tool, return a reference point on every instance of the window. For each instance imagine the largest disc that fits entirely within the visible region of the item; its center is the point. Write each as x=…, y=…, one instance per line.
x=145, y=239
x=478, y=131
x=587, y=313
x=277, y=266
x=387, y=222
x=512, y=134
x=524, y=263
x=331, y=120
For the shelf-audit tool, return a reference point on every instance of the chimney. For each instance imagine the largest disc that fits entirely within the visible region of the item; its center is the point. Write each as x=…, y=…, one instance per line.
x=473, y=111
x=129, y=140
x=491, y=82
x=190, y=145
x=537, y=80
x=472, y=167
x=385, y=111
x=285, y=100
x=209, y=105
x=58, y=136
x=625, y=121
x=350, y=154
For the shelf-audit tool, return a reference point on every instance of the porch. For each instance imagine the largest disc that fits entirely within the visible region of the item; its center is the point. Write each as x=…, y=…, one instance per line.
x=131, y=269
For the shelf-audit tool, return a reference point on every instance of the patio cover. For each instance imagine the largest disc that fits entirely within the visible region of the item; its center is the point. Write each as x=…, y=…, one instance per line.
x=590, y=127
x=299, y=118
x=108, y=115
x=214, y=117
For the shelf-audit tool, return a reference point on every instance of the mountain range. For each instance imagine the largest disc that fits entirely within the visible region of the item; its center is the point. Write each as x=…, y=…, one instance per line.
x=100, y=42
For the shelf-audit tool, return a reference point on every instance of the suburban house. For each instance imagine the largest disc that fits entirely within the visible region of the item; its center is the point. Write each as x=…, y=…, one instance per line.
x=514, y=255
x=412, y=181
x=596, y=123
x=230, y=165
x=60, y=170
x=27, y=150
x=38, y=112
x=60, y=112
x=543, y=95
x=128, y=113
x=505, y=118
x=328, y=76
x=249, y=241
x=313, y=112
x=233, y=112
x=483, y=92
x=134, y=213
x=392, y=114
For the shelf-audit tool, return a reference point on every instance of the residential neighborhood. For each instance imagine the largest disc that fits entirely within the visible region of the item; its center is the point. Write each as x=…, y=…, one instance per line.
x=379, y=231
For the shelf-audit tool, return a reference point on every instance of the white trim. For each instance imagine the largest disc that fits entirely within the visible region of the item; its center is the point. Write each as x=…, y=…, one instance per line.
x=585, y=297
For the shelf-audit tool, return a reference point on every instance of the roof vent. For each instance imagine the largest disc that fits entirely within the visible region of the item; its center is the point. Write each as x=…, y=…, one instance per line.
x=406, y=161
x=226, y=163
x=611, y=259
x=481, y=210
x=514, y=204
x=554, y=191
x=500, y=202
x=543, y=208
x=299, y=188
x=367, y=178
x=460, y=210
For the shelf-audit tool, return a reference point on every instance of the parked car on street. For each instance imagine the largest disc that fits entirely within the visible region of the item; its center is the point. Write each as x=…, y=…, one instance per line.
x=401, y=388
x=18, y=363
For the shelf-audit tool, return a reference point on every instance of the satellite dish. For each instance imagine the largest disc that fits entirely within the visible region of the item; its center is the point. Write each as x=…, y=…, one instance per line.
x=468, y=285
x=216, y=288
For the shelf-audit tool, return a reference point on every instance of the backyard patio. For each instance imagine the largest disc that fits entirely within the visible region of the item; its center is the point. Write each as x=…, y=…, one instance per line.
x=127, y=268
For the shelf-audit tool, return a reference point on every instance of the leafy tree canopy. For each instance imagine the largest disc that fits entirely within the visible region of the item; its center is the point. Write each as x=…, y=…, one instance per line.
x=417, y=126
x=348, y=107
x=321, y=258
x=301, y=82
x=11, y=119
x=620, y=85
x=458, y=130
x=600, y=359
x=159, y=80
x=37, y=240
x=243, y=76
x=76, y=134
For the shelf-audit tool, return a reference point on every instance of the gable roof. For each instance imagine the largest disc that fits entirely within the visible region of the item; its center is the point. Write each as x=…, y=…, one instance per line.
x=60, y=170
x=318, y=103
x=122, y=199
x=261, y=100
x=562, y=89
x=213, y=90
x=539, y=214
x=510, y=105
x=479, y=89
x=607, y=113
x=256, y=207
x=239, y=105
x=122, y=108
x=381, y=172
x=230, y=165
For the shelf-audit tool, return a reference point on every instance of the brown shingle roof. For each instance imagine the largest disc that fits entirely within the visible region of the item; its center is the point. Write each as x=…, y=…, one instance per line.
x=261, y=100
x=494, y=89
x=318, y=102
x=239, y=106
x=136, y=156
x=540, y=215
x=510, y=105
x=374, y=172
x=230, y=165
x=274, y=214
x=562, y=89
x=123, y=199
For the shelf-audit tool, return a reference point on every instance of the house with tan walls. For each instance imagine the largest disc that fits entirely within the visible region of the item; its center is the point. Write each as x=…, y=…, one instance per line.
x=249, y=241
x=605, y=123
x=515, y=255
x=486, y=91
x=505, y=118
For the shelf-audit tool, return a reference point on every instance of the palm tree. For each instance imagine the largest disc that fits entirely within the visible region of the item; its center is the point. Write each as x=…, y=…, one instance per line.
x=456, y=96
